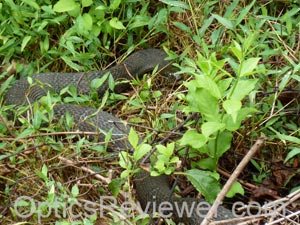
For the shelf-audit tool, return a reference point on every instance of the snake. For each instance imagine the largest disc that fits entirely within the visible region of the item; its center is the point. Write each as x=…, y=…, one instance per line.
x=151, y=191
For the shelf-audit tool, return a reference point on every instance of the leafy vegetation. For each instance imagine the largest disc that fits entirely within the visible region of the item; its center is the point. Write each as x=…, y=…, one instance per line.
x=237, y=71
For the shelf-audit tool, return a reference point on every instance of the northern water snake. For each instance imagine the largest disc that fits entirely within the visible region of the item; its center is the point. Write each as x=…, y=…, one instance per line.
x=136, y=64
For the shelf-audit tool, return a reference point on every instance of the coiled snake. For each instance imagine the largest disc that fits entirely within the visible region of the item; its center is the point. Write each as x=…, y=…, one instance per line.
x=149, y=189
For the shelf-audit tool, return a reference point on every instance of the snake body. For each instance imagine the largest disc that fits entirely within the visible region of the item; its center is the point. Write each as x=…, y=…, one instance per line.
x=154, y=190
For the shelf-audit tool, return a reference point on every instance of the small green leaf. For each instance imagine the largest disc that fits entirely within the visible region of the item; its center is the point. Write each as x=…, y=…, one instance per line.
x=25, y=41
x=193, y=138
x=225, y=22
x=133, y=138
x=236, y=188
x=115, y=186
x=175, y=3
x=114, y=4
x=295, y=151
x=117, y=24
x=27, y=132
x=64, y=5
x=75, y=191
x=205, y=182
x=96, y=83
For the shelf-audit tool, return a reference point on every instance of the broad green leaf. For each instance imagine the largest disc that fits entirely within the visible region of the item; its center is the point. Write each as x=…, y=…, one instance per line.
x=64, y=5
x=25, y=41
x=246, y=68
x=133, y=138
x=295, y=151
x=208, y=163
x=225, y=22
x=115, y=186
x=210, y=85
x=193, y=138
x=200, y=100
x=236, y=188
x=86, y=3
x=141, y=151
x=243, y=88
x=232, y=107
x=220, y=144
x=116, y=23
x=210, y=128
x=242, y=114
x=87, y=21
x=205, y=182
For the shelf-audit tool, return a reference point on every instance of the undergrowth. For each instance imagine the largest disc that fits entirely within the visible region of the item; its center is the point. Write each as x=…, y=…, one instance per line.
x=237, y=74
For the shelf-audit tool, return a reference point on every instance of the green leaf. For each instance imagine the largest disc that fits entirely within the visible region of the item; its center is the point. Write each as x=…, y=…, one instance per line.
x=205, y=182
x=86, y=3
x=207, y=164
x=221, y=144
x=140, y=151
x=225, y=22
x=43, y=174
x=208, y=84
x=284, y=137
x=32, y=4
x=175, y=3
x=117, y=24
x=193, y=138
x=114, y=4
x=124, y=161
x=115, y=186
x=64, y=6
x=73, y=65
x=210, y=128
x=27, y=132
x=295, y=151
x=236, y=188
x=200, y=100
x=237, y=51
x=242, y=114
x=98, y=82
x=243, y=88
x=37, y=119
x=133, y=138
x=75, y=191
x=232, y=108
x=87, y=21
x=246, y=67
x=25, y=41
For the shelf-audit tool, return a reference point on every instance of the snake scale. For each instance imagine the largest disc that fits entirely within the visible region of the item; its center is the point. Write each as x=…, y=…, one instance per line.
x=154, y=190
